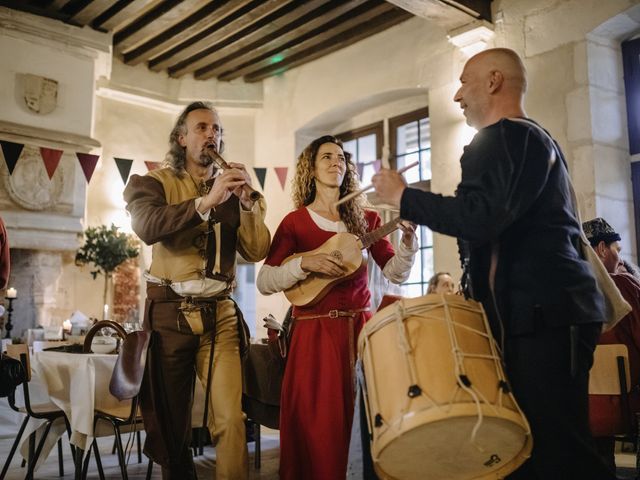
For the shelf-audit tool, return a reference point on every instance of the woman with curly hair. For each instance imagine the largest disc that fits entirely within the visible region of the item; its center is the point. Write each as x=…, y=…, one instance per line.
x=317, y=401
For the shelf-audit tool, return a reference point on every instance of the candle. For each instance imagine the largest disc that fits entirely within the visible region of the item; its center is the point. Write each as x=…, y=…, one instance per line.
x=12, y=293
x=67, y=326
x=105, y=312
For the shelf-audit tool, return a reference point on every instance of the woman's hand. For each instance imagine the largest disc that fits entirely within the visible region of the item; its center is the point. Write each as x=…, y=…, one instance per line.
x=408, y=232
x=322, y=263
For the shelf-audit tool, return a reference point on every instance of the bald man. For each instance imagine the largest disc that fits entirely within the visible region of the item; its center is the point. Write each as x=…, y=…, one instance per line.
x=518, y=234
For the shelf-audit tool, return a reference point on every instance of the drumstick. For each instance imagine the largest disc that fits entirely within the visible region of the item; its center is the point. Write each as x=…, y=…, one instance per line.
x=253, y=194
x=348, y=197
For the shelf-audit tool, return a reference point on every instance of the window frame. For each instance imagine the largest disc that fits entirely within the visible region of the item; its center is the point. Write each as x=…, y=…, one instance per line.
x=356, y=133
x=398, y=121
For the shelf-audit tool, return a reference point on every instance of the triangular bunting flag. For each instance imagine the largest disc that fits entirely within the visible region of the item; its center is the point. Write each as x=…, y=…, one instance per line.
x=11, y=152
x=376, y=165
x=124, y=167
x=261, y=174
x=152, y=165
x=360, y=169
x=88, y=163
x=51, y=158
x=282, y=174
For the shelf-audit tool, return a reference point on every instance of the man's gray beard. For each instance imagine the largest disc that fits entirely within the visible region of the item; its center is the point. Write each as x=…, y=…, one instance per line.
x=206, y=159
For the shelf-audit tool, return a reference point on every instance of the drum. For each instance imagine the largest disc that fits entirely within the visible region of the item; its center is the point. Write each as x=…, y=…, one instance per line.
x=437, y=399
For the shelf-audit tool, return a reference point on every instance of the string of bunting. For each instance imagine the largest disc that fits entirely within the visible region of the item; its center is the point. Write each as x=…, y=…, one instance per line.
x=88, y=162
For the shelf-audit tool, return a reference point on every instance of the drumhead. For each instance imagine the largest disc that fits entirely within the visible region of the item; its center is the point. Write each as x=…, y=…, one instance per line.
x=443, y=450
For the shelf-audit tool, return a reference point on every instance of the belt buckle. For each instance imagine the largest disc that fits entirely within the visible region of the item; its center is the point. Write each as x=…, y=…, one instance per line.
x=333, y=313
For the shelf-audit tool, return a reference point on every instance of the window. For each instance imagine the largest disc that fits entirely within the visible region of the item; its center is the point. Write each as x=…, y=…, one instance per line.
x=365, y=146
x=410, y=141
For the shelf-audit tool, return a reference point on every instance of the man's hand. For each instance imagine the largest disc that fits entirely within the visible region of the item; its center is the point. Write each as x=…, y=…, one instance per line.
x=240, y=192
x=226, y=184
x=322, y=263
x=389, y=186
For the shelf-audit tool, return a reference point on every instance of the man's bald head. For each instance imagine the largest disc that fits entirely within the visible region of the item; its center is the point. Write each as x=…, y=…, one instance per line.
x=493, y=85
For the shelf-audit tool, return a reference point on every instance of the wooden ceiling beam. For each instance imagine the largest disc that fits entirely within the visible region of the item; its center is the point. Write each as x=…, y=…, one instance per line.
x=226, y=67
x=340, y=40
x=39, y=8
x=187, y=28
x=218, y=32
x=294, y=16
x=121, y=12
x=342, y=23
x=155, y=20
x=477, y=8
x=91, y=10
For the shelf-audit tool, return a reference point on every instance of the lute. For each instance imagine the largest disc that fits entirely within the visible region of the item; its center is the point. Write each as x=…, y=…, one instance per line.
x=343, y=246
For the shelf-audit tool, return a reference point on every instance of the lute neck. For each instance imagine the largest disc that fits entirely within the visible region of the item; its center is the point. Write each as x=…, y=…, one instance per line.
x=370, y=238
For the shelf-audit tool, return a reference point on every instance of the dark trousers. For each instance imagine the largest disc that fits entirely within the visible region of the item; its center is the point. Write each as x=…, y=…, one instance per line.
x=549, y=374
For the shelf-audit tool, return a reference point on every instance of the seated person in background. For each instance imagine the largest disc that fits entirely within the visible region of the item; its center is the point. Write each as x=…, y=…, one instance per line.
x=604, y=410
x=441, y=282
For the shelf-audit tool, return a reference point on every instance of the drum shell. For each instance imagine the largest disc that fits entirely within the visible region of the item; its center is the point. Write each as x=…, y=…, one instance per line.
x=439, y=338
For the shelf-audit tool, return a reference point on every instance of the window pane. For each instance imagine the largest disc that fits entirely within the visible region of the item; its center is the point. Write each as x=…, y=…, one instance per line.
x=367, y=149
x=427, y=264
x=425, y=133
x=425, y=164
x=352, y=148
x=415, y=290
x=413, y=174
x=367, y=173
x=426, y=237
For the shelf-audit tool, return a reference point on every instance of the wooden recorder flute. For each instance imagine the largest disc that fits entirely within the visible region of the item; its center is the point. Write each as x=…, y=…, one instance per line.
x=221, y=162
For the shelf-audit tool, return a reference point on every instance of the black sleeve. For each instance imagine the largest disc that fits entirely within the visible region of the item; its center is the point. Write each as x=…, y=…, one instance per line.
x=504, y=170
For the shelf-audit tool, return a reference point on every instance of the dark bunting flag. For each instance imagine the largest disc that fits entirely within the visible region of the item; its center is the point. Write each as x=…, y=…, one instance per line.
x=51, y=158
x=261, y=174
x=124, y=167
x=88, y=163
x=11, y=152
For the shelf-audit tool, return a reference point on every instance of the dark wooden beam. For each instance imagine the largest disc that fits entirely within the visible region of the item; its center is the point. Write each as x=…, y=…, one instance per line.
x=477, y=8
x=216, y=32
x=91, y=10
x=340, y=40
x=145, y=22
x=289, y=16
x=73, y=6
x=232, y=65
x=189, y=27
x=36, y=9
x=119, y=13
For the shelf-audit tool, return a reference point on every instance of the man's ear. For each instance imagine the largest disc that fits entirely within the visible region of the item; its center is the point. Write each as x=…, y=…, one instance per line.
x=496, y=80
x=181, y=140
x=601, y=249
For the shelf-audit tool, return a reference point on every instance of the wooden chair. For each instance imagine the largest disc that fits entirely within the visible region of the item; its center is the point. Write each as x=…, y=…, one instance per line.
x=610, y=375
x=46, y=411
x=125, y=384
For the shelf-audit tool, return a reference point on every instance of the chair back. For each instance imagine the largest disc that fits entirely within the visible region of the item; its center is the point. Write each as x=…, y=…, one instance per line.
x=128, y=372
x=16, y=351
x=609, y=374
x=99, y=326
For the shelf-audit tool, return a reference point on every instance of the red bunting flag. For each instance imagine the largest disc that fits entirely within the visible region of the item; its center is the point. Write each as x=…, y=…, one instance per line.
x=152, y=165
x=282, y=174
x=261, y=174
x=51, y=158
x=88, y=163
x=11, y=153
x=124, y=167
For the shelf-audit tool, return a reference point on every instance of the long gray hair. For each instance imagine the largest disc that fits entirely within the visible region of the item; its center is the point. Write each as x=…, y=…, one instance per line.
x=176, y=157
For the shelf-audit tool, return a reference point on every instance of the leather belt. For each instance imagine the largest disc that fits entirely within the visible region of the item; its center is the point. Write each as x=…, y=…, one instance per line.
x=334, y=314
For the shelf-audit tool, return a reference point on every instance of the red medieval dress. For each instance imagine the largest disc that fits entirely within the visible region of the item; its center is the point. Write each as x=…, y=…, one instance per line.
x=317, y=400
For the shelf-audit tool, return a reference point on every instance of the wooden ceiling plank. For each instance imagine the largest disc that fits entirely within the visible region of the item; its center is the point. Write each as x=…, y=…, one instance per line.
x=121, y=13
x=215, y=33
x=154, y=21
x=92, y=10
x=368, y=28
x=236, y=46
x=167, y=39
x=269, y=47
x=41, y=9
x=328, y=29
x=479, y=8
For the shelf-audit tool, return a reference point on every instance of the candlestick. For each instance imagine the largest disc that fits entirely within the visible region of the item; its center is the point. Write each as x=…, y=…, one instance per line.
x=7, y=325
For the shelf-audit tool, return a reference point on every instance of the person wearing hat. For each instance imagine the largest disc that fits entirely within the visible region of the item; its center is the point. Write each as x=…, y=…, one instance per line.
x=605, y=416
